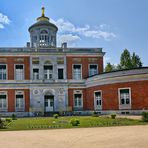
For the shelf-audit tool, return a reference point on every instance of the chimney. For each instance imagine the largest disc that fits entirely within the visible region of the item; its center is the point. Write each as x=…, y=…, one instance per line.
x=28, y=44
x=64, y=45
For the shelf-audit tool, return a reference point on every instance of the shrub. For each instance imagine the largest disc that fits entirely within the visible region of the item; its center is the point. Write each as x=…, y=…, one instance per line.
x=95, y=114
x=74, y=122
x=8, y=120
x=3, y=123
x=113, y=116
x=145, y=116
x=56, y=116
x=14, y=117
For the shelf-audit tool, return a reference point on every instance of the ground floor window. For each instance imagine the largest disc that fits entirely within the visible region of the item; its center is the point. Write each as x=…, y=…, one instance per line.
x=3, y=102
x=124, y=96
x=98, y=100
x=19, y=101
x=78, y=99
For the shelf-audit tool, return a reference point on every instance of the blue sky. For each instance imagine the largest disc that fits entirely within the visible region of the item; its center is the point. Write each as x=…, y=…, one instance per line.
x=111, y=24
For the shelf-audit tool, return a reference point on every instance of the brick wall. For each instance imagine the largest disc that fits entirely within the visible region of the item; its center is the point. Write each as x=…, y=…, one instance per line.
x=139, y=95
x=11, y=99
x=11, y=61
x=85, y=65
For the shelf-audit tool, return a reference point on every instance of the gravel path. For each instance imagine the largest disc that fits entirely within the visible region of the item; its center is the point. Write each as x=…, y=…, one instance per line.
x=103, y=137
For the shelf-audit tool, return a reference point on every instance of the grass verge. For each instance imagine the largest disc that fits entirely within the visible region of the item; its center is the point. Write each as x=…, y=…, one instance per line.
x=64, y=122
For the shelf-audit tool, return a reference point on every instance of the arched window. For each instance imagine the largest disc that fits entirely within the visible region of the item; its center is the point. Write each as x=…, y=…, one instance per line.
x=44, y=38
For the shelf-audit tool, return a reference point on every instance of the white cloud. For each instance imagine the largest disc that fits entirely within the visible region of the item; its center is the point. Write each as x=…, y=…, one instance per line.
x=3, y=20
x=97, y=32
x=69, y=38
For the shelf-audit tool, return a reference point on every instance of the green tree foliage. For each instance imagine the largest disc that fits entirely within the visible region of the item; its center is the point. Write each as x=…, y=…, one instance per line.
x=109, y=67
x=127, y=61
x=136, y=61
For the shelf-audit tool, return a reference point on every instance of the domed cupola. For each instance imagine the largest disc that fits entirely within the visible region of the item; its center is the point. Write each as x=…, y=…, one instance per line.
x=43, y=33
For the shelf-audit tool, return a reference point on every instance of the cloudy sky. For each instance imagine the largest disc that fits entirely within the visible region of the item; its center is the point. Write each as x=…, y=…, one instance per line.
x=111, y=24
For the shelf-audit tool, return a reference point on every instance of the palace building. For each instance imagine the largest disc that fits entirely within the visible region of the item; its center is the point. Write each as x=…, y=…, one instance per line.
x=42, y=78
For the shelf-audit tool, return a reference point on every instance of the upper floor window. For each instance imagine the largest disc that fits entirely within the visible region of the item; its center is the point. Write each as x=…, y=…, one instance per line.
x=48, y=72
x=93, y=69
x=77, y=72
x=19, y=72
x=60, y=73
x=19, y=103
x=124, y=96
x=3, y=72
x=3, y=101
x=35, y=74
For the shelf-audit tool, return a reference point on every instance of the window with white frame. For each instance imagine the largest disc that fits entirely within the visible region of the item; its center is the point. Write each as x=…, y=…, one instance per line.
x=77, y=72
x=19, y=72
x=124, y=96
x=93, y=69
x=19, y=101
x=48, y=72
x=3, y=101
x=3, y=72
x=98, y=98
x=78, y=102
x=35, y=74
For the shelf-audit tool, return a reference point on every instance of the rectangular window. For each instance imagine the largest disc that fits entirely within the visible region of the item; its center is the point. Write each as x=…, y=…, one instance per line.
x=3, y=72
x=93, y=70
x=60, y=73
x=19, y=102
x=98, y=100
x=77, y=100
x=124, y=96
x=48, y=72
x=35, y=74
x=77, y=73
x=3, y=102
x=19, y=72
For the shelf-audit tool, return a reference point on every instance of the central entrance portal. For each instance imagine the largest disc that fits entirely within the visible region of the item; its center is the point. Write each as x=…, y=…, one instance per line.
x=49, y=103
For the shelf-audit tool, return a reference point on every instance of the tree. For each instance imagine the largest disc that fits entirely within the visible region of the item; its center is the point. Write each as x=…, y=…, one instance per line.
x=125, y=60
x=136, y=61
x=109, y=67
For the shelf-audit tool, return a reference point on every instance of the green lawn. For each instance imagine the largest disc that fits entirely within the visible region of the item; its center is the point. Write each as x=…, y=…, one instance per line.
x=64, y=122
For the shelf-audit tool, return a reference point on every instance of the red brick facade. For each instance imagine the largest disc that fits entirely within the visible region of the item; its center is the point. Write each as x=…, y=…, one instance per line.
x=110, y=99
x=11, y=98
x=85, y=61
x=11, y=61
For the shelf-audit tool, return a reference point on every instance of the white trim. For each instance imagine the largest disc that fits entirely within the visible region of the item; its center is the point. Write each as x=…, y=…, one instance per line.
x=89, y=69
x=6, y=70
x=22, y=93
x=48, y=73
x=95, y=100
x=73, y=72
x=79, y=92
x=15, y=72
x=129, y=88
x=5, y=93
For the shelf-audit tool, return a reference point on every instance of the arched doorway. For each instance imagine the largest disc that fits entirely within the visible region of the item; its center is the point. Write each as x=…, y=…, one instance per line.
x=48, y=102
